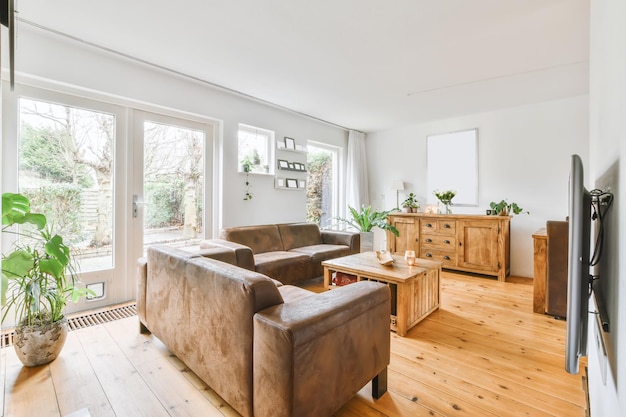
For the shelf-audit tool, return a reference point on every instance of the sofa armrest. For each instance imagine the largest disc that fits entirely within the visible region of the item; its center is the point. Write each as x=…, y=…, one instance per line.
x=336, y=237
x=327, y=346
x=243, y=254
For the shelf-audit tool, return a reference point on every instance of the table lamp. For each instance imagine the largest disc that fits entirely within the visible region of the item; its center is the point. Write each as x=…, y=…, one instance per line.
x=397, y=185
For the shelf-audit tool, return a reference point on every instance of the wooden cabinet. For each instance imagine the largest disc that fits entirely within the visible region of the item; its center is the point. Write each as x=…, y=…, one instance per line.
x=471, y=243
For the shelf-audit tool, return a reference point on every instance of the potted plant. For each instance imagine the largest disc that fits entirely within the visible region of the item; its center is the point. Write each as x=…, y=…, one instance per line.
x=246, y=164
x=410, y=205
x=504, y=208
x=367, y=219
x=446, y=198
x=39, y=278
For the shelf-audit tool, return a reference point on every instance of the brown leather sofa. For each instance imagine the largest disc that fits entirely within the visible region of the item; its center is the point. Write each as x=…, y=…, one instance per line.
x=267, y=349
x=290, y=252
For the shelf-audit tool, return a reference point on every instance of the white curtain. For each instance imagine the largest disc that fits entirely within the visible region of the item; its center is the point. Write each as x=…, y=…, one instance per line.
x=357, y=193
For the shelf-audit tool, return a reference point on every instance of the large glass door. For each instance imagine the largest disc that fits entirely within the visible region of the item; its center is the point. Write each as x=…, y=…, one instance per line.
x=65, y=154
x=173, y=188
x=111, y=180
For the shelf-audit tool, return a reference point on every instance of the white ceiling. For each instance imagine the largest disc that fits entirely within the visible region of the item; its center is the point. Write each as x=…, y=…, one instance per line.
x=363, y=64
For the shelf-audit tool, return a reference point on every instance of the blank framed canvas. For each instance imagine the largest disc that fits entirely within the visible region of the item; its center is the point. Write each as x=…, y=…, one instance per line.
x=453, y=165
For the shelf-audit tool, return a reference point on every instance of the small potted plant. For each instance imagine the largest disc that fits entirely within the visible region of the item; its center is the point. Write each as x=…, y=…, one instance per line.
x=504, y=208
x=38, y=279
x=446, y=198
x=246, y=164
x=410, y=205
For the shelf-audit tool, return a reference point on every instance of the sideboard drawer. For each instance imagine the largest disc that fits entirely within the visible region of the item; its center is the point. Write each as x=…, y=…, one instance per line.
x=439, y=241
x=444, y=227
x=447, y=257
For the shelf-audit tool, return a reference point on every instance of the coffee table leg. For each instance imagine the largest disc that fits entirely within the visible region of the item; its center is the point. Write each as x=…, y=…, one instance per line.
x=327, y=275
x=402, y=313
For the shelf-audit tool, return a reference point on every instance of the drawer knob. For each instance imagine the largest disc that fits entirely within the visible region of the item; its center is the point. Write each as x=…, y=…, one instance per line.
x=429, y=225
x=447, y=226
x=446, y=241
x=428, y=255
x=447, y=258
x=429, y=240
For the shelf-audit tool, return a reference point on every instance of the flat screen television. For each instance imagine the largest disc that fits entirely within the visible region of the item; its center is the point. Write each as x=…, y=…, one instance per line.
x=579, y=277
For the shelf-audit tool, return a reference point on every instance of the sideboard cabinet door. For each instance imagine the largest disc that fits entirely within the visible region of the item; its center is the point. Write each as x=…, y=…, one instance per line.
x=478, y=245
x=409, y=234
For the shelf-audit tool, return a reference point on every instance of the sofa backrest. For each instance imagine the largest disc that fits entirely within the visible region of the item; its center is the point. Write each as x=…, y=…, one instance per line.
x=298, y=235
x=261, y=239
x=203, y=309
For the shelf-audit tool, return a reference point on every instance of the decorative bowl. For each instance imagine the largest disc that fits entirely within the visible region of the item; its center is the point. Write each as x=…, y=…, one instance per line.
x=384, y=258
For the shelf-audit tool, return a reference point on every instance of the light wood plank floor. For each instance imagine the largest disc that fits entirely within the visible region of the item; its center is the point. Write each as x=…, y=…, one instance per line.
x=484, y=353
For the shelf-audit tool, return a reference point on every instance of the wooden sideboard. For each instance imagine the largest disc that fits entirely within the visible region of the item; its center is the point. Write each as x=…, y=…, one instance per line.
x=540, y=272
x=463, y=242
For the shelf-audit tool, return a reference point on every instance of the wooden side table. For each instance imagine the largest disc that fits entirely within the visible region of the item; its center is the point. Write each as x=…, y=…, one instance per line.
x=540, y=245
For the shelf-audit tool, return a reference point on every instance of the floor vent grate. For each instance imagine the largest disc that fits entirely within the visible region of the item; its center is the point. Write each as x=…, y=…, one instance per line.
x=83, y=320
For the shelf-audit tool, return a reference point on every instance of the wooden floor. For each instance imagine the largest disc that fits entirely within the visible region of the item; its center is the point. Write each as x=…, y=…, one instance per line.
x=484, y=353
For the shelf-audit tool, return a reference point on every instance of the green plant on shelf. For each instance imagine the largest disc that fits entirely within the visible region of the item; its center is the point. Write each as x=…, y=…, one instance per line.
x=504, y=208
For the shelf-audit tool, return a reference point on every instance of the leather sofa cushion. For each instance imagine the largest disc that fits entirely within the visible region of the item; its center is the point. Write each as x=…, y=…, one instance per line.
x=260, y=239
x=296, y=235
x=320, y=253
x=323, y=252
x=286, y=267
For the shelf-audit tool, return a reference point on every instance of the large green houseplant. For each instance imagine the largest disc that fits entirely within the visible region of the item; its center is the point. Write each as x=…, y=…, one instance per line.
x=38, y=279
x=365, y=220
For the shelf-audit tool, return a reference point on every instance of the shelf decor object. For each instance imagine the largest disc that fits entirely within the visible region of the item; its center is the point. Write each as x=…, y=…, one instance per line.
x=290, y=143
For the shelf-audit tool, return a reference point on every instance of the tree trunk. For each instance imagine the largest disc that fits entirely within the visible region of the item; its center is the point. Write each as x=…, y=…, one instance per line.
x=104, y=228
x=190, y=202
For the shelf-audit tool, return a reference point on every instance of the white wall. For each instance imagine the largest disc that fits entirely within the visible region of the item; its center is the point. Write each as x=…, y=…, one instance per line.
x=523, y=156
x=44, y=55
x=607, y=152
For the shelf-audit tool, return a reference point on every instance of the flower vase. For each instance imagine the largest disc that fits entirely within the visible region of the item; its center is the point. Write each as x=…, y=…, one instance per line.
x=446, y=209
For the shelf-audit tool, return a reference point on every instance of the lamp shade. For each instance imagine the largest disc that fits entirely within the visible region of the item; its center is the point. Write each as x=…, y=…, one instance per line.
x=397, y=185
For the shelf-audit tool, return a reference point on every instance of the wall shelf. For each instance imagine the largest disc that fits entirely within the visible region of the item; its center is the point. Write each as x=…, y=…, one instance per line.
x=292, y=184
x=290, y=145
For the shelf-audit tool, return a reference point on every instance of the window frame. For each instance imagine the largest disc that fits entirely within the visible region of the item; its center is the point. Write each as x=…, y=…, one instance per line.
x=268, y=153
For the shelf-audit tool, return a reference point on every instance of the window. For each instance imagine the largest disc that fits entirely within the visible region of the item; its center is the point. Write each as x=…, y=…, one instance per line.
x=255, y=151
x=322, y=184
x=453, y=165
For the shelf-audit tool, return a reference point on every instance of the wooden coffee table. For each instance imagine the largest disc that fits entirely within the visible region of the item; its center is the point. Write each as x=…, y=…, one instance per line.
x=415, y=290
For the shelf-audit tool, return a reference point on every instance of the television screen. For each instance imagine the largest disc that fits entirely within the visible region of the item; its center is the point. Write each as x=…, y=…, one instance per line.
x=579, y=278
